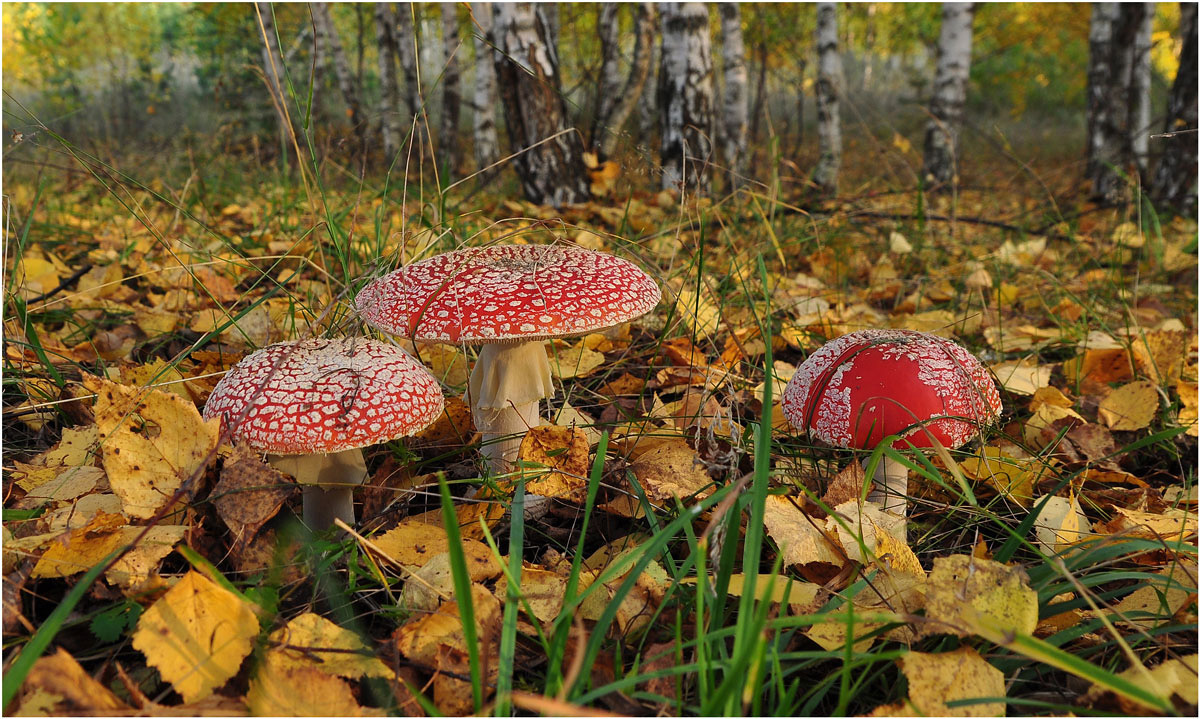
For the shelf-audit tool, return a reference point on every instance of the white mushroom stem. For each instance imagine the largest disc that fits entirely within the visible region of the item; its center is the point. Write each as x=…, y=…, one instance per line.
x=329, y=481
x=505, y=389
x=890, y=489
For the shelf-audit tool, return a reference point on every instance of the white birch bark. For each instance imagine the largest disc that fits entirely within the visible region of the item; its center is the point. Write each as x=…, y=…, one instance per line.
x=1139, y=90
x=1175, y=179
x=551, y=170
x=389, y=100
x=608, y=84
x=335, y=56
x=735, y=99
x=685, y=97
x=627, y=96
x=1099, y=80
x=487, y=147
x=829, y=92
x=949, y=94
x=448, y=139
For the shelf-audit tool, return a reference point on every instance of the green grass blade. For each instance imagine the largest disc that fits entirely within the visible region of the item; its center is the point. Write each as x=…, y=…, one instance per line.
x=462, y=590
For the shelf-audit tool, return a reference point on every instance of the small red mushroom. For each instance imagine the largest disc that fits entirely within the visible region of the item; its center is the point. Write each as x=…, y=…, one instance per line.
x=865, y=386
x=508, y=298
x=315, y=403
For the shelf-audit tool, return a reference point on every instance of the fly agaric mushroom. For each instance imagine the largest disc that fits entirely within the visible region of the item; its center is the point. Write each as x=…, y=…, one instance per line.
x=314, y=404
x=868, y=385
x=508, y=298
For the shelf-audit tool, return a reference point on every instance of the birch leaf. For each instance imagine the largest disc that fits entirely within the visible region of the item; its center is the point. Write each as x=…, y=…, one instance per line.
x=196, y=635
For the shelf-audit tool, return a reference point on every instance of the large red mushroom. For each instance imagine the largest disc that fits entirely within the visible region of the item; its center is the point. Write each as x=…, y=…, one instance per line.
x=508, y=298
x=314, y=404
x=865, y=386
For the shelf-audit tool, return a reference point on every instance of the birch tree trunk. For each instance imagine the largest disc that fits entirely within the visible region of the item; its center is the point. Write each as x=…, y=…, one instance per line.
x=389, y=114
x=625, y=96
x=273, y=71
x=647, y=105
x=335, y=55
x=1099, y=80
x=949, y=95
x=448, y=140
x=829, y=91
x=487, y=147
x=736, y=94
x=608, y=84
x=685, y=97
x=1175, y=180
x=1139, y=91
x=551, y=170
x=406, y=46
x=1116, y=94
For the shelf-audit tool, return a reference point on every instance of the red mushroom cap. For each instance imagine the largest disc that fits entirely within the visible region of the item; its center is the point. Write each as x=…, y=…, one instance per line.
x=508, y=293
x=864, y=386
x=319, y=396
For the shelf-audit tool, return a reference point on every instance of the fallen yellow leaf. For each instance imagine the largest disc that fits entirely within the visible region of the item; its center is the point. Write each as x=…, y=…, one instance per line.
x=152, y=442
x=935, y=680
x=313, y=641
x=672, y=469
x=574, y=361
x=1130, y=407
x=963, y=590
x=196, y=635
x=798, y=537
x=556, y=461
x=283, y=688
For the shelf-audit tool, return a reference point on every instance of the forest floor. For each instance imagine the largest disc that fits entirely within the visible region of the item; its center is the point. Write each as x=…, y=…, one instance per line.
x=704, y=557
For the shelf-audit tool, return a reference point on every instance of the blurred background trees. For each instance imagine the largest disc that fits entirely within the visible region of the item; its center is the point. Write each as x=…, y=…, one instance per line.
x=678, y=93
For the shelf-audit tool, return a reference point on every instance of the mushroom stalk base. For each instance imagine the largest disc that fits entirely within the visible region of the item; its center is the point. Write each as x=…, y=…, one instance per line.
x=891, y=486
x=502, y=431
x=329, y=481
x=505, y=387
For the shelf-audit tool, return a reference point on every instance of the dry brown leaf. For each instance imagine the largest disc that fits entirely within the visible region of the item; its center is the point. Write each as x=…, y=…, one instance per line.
x=1130, y=407
x=846, y=485
x=249, y=493
x=671, y=470
x=60, y=675
x=556, y=461
x=964, y=591
x=152, y=442
x=196, y=635
x=1047, y=423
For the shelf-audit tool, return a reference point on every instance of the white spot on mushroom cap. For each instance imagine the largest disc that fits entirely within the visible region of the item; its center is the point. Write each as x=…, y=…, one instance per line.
x=508, y=292
x=866, y=385
x=325, y=395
